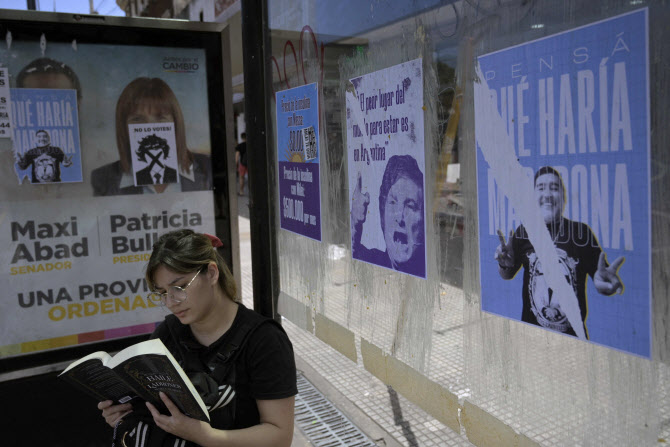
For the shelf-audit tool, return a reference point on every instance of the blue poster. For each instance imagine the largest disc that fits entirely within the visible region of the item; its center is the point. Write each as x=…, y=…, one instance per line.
x=298, y=157
x=45, y=127
x=562, y=129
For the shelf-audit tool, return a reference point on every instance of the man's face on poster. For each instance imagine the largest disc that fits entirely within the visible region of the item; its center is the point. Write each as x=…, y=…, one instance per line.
x=43, y=139
x=48, y=80
x=549, y=194
x=403, y=220
x=156, y=151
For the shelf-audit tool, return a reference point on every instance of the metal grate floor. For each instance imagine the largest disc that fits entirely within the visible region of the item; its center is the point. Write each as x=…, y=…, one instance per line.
x=322, y=423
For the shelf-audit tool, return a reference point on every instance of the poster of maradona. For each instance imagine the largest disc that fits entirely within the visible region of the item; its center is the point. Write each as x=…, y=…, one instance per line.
x=562, y=130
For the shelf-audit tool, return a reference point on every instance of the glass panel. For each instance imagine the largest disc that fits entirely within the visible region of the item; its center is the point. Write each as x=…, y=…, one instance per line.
x=580, y=372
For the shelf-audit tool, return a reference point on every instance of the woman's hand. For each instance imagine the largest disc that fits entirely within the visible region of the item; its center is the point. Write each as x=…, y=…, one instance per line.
x=177, y=423
x=114, y=413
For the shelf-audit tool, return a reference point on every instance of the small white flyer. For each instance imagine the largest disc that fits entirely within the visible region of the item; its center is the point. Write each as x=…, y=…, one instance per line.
x=154, y=153
x=5, y=124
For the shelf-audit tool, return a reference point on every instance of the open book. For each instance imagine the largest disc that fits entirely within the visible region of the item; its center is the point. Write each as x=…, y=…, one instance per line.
x=140, y=371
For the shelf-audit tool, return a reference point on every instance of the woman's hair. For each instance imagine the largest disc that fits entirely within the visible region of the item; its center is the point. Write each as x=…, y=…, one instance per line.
x=149, y=92
x=185, y=251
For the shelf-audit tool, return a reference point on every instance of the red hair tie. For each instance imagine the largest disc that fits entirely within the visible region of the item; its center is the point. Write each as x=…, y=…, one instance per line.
x=216, y=242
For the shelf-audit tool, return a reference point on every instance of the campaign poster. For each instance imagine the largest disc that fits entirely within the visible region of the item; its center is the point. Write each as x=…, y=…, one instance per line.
x=154, y=150
x=78, y=277
x=562, y=129
x=145, y=84
x=385, y=153
x=298, y=157
x=75, y=250
x=46, y=135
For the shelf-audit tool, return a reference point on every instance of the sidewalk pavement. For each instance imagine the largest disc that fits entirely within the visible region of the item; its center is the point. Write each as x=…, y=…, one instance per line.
x=386, y=417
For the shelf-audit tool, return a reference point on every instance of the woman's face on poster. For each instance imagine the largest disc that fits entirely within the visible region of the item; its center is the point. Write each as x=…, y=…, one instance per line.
x=144, y=114
x=403, y=220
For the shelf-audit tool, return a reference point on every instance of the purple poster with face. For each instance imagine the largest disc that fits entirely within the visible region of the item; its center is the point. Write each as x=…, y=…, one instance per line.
x=298, y=158
x=385, y=152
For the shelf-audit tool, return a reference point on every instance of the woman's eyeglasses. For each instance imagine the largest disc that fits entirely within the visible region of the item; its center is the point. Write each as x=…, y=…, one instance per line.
x=175, y=293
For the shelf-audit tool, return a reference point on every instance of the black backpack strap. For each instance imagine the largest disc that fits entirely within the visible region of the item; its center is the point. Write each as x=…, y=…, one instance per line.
x=223, y=363
x=220, y=364
x=187, y=357
x=218, y=370
x=224, y=360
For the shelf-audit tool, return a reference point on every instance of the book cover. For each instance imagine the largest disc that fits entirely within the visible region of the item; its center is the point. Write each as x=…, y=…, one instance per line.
x=140, y=371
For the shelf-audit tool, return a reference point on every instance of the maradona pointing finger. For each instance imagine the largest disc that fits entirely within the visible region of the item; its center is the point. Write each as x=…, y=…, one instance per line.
x=614, y=266
x=501, y=237
x=602, y=263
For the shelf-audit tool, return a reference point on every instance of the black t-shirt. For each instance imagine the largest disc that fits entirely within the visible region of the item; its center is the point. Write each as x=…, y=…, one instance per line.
x=242, y=149
x=46, y=162
x=264, y=368
x=578, y=252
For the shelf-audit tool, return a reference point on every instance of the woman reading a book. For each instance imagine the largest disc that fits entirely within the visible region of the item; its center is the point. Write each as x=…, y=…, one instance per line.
x=241, y=363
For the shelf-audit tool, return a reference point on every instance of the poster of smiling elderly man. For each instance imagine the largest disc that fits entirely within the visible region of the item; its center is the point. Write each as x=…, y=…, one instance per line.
x=46, y=136
x=385, y=150
x=562, y=129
